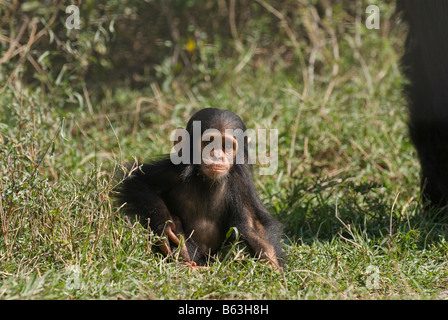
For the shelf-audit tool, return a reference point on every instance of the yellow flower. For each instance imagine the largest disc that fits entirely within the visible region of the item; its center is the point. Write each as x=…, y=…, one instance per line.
x=191, y=45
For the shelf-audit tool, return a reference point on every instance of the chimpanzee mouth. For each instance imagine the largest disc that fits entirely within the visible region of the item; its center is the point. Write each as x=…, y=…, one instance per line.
x=216, y=168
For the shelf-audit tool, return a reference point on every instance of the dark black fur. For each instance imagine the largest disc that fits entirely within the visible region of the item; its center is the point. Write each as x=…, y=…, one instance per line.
x=425, y=64
x=162, y=191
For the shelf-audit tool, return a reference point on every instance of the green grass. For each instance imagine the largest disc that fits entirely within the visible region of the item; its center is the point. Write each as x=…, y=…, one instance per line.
x=346, y=189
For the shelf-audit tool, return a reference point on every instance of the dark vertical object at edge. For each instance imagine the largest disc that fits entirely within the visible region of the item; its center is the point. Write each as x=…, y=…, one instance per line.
x=425, y=64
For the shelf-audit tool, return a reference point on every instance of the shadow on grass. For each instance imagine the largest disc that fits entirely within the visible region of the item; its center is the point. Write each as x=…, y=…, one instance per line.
x=323, y=210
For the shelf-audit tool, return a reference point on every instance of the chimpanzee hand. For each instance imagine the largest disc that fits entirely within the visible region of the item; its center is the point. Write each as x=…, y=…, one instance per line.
x=164, y=246
x=172, y=239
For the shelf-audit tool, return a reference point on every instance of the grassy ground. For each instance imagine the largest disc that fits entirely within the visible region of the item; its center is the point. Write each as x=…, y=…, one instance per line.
x=346, y=189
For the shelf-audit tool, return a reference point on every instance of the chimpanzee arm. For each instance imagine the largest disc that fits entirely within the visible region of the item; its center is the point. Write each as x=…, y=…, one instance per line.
x=257, y=227
x=261, y=232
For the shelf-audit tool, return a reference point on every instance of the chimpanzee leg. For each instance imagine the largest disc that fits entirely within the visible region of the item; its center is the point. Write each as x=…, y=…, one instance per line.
x=425, y=64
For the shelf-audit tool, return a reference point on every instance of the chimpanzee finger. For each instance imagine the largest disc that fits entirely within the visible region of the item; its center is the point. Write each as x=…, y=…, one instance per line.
x=164, y=246
x=171, y=235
